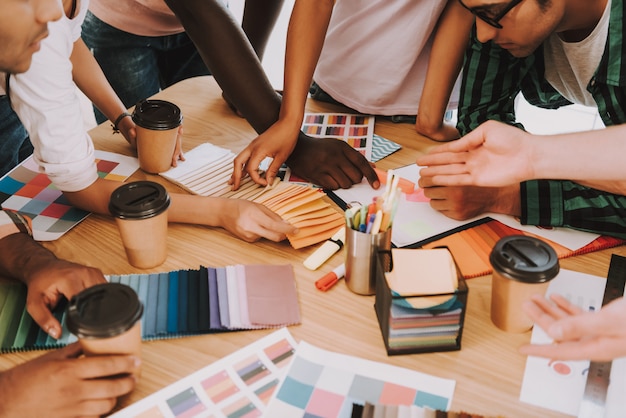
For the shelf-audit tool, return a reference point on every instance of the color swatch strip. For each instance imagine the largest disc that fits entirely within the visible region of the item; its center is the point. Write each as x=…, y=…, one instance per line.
x=471, y=247
x=176, y=303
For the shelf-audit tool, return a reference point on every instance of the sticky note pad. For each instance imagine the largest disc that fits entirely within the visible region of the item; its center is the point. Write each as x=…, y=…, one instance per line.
x=422, y=272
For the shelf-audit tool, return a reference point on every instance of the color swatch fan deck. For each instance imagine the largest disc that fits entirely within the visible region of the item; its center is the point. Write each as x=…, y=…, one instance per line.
x=208, y=168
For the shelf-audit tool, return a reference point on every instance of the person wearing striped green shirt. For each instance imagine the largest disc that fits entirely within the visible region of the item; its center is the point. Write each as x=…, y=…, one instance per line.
x=554, y=52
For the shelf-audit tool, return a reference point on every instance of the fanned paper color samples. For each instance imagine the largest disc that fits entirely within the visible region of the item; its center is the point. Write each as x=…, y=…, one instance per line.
x=207, y=169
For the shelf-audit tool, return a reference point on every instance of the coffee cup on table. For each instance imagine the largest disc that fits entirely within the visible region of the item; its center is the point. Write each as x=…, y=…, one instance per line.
x=157, y=123
x=106, y=320
x=140, y=211
x=522, y=266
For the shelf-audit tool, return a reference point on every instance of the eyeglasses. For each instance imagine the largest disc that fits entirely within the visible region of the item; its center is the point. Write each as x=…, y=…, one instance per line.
x=490, y=18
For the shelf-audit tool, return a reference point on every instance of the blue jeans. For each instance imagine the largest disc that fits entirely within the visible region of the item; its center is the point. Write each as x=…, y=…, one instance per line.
x=15, y=144
x=139, y=66
x=317, y=93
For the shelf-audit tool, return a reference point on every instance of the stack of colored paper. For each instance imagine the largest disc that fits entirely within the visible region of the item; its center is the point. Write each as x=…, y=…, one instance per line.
x=207, y=169
x=421, y=302
x=177, y=303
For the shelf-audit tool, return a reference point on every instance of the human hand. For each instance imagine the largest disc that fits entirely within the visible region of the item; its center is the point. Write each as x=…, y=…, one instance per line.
x=48, y=281
x=277, y=142
x=578, y=335
x=330, y=163
x=493, y=155
x=61, y=384
x=251, y=221
x=178, y=149
x=464, y=202
x=441, y=132
x=128, y=129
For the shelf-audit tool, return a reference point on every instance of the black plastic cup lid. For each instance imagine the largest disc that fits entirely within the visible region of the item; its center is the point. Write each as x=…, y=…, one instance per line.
x=525, y=259
x=157, y=114
x=139, y=200
x=103, y=311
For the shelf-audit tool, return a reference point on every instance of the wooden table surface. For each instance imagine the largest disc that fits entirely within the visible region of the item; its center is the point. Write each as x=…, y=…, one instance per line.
x=488, y=369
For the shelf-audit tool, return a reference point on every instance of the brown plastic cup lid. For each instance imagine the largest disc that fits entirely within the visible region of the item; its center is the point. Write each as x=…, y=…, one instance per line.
x=525, y=259
x=159, y=115
x=103, y=311
x=139, y=200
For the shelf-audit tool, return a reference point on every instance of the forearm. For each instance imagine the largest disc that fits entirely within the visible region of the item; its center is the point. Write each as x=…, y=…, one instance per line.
x=445, y=62
x=565, y=203
x=576, y=153
x=217, y=35
x=21, y=256
x=183, y=208
x=258, y=21
x=90, y=79
x=305, y=38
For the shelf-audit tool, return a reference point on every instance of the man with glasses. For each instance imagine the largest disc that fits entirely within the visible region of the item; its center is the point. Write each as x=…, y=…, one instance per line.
x=555, y=52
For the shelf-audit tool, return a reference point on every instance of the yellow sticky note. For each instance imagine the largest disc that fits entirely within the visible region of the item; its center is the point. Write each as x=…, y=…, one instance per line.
x=423, y=272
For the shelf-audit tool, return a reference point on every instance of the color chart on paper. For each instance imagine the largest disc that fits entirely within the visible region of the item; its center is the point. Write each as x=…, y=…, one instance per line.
x=559, y=385
x=320, y=383
x=29, y=192
x=237, y=386
x=356, y=130
x=177, y=303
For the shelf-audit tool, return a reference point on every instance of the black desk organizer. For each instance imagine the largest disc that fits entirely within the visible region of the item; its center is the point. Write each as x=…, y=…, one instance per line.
x=383, y=305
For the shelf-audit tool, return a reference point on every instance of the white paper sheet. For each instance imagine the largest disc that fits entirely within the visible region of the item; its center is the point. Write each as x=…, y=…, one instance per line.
x=559, y=385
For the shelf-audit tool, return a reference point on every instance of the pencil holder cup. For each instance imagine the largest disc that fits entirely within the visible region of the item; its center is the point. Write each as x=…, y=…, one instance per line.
x=361, y=252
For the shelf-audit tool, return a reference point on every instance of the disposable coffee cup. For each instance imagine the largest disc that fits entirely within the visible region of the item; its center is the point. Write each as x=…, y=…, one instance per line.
x=157, y=123
x=106, y=320
x=140, y=211
x=360, y=259
x=522, y=266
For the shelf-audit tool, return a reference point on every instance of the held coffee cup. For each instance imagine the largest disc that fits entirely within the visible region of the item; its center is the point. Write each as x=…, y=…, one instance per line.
x=522, y=266
x=106, y=320
x=361, y=252
x=157, y=123
x=140, y=211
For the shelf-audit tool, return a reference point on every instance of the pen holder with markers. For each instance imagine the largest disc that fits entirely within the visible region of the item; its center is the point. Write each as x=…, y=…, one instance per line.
x=361, y=252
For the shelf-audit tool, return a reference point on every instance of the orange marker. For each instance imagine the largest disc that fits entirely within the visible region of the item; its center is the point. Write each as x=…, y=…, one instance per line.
x=330, y=279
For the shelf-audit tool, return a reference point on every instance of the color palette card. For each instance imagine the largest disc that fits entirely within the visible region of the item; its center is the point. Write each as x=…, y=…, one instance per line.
x=29, y=192
x=559, y=385
x=356, y=130
x=208, y=168
x=320, y=383
x=176, y=303
x=238, y=385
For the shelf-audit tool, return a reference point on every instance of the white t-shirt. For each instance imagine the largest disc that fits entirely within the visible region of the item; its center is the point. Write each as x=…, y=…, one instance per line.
x=376, y=53
x=571, y=65
x=46, y=100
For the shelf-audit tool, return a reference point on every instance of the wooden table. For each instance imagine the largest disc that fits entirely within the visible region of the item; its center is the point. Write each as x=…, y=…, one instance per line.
x=488, y=370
